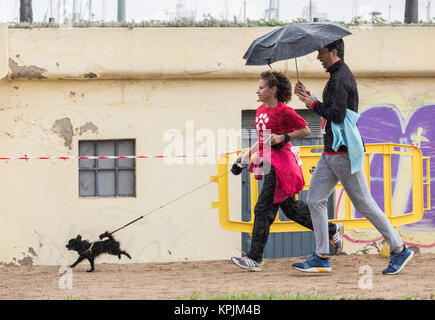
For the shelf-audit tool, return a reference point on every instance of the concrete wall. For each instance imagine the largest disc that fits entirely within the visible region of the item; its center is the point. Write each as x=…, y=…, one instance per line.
x=60, y=86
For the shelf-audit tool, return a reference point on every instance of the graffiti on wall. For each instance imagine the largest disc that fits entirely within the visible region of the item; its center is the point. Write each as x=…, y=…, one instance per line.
x=385, y=124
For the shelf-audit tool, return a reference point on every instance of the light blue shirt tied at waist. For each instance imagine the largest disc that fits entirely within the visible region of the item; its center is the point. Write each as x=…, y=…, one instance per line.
x=347, y=134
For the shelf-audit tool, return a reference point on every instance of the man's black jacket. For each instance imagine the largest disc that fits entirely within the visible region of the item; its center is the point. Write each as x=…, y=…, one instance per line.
x=339, y=94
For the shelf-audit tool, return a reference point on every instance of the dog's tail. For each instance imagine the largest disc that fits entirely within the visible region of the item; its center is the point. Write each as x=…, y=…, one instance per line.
x=106, y=235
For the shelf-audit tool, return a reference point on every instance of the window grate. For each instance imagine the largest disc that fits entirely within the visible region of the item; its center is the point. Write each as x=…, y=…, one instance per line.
x=107, y=177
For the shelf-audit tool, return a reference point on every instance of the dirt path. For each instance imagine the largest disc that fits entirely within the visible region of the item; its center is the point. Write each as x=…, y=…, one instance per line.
x=181, y=279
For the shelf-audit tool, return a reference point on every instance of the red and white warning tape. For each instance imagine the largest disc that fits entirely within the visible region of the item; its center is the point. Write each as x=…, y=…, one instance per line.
x=120, y=157
x=98, y=157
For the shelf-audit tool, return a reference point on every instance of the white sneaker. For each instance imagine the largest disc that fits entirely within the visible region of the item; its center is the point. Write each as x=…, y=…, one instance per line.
x=337, y=240
x=247, y=263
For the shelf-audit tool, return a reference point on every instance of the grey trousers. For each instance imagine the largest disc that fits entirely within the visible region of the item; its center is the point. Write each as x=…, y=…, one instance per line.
x=329, y=170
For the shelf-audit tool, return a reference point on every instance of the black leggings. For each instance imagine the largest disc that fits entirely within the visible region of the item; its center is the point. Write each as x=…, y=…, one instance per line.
x=265, y=212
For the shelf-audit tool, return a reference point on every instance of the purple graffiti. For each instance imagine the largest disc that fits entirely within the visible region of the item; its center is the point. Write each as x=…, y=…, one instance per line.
x=383, y=124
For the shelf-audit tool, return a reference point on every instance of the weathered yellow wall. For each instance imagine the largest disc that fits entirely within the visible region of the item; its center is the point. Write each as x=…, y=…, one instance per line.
x=139, y=84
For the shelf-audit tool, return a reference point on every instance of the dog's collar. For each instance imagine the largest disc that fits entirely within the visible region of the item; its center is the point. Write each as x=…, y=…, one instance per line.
x=89, y=249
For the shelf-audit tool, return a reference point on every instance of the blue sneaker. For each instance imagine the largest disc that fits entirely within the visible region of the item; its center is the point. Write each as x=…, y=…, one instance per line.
x=398, y=261
x=313, y=264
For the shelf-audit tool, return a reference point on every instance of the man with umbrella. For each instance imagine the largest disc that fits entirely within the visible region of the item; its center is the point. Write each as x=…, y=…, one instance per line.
x=339, y=95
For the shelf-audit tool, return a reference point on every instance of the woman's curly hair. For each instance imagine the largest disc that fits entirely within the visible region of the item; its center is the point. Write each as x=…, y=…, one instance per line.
x=282, y=83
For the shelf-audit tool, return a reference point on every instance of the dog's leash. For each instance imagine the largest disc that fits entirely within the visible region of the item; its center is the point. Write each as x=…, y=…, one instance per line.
x=172, y=201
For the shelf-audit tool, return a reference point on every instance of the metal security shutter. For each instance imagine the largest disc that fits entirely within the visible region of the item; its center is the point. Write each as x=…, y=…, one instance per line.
x=281, y=244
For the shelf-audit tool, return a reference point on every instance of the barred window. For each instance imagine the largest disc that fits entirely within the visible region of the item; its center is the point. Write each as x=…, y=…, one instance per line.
x=107, y=177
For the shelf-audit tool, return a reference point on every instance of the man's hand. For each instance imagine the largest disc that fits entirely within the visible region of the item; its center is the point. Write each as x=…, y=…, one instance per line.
x=305, y=98
x=299, y=88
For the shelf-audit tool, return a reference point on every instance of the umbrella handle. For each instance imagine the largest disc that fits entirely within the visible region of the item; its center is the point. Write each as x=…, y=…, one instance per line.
x=297, y=71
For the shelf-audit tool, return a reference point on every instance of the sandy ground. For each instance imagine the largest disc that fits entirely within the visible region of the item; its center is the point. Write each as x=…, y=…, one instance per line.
x=180, y=279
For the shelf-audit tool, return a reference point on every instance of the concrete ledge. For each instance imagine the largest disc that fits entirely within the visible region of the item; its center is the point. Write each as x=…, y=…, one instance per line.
x=166, y=53
x=3, y=50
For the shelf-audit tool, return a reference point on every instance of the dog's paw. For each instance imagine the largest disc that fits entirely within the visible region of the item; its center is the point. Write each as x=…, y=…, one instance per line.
x=90, y=270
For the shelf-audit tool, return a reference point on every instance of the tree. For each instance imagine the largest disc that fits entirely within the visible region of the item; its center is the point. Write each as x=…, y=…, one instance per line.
x=411, y=11
x=26, y=12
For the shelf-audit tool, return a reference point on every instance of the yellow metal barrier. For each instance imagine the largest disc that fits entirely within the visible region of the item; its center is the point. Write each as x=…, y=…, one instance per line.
x=309, y=156
x=427, y=184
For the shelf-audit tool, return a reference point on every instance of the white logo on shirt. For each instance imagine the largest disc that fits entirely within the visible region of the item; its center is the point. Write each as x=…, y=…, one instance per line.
x=260, y=122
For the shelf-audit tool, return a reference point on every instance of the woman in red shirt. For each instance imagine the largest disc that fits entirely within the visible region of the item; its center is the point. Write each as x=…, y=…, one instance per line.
x=276, y=125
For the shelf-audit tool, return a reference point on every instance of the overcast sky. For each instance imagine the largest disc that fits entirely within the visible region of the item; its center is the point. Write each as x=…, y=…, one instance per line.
x=139, y=10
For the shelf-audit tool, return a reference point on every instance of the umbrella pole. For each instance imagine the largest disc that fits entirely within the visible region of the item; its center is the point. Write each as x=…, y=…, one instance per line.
x=297, y=71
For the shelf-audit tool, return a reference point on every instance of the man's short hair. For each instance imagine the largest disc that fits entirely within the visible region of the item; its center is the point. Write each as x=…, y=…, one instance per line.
x=339, y=46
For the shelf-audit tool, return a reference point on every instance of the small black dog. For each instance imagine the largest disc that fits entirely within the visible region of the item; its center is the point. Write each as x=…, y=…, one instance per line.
x=90, y=251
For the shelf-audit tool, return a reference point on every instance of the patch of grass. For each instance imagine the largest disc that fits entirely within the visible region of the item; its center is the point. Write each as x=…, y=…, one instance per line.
x=236, y=295
x=257, y=296
x=209, y=21
x=71, y=298
x=409, y=297
x=356, y=297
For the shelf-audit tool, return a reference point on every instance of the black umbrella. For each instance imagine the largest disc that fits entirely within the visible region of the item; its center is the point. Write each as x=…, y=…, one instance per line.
x=292, y=41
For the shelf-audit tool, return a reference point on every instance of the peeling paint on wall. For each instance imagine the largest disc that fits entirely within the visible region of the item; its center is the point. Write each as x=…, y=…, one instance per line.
x=91, y=75
x=25, y=72
x=64, y=128
x=10, y=264
x=33, y=252
x=88, y=126
x=27, y=259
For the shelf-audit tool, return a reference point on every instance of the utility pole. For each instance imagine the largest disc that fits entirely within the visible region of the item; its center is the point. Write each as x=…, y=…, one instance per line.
x=26, y=11
x=64, y=11
x=90, y=10
x=51, y=11
x=121, y=10
x=75, y=14
x=225, y=10
x=411, y=11
x=58, y=11
x=104, y=10
x=273, y=11
x=389, y=12
x=354, y=8
x=428, y=11
x=311, y=12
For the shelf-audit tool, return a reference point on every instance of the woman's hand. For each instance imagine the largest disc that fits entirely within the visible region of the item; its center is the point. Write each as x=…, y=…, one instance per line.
x=273, y=139
x=243, y=158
